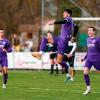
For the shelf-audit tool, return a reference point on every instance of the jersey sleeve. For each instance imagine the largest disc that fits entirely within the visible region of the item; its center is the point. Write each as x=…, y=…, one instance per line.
x=43, y=45
x=98, y=42
x=8, y=46
x=63, y=21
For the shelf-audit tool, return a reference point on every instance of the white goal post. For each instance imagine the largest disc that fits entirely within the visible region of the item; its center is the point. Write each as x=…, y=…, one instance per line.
x=86, y=18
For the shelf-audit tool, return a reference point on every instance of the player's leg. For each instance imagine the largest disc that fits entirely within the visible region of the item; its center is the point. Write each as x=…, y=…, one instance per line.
x=71, y=71
x=0, y=71
x=52, y=56
x=86, y=76
x=62, y=62
x=57, y=71
x=87, y=67
x=64, y=65
x=56, y=64
x=62, y=46
x=5, y=71
x=66, y=59
x=5, y=76
x=52, y=66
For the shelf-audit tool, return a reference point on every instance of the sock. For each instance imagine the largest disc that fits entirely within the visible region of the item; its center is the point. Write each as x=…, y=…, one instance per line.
x=5, y=78
x=88, y=88
x=67, y=75
x=64, y=66
x=52, y=67
x=56, y=68
x=87, y=80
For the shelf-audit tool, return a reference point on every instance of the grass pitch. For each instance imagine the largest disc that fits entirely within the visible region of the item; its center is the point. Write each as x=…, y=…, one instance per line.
x=40, y=85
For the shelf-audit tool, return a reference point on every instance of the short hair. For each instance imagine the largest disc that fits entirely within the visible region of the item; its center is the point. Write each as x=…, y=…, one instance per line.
x=49, y=31
x=68, y=11
x=94, y=29
x=1, y=29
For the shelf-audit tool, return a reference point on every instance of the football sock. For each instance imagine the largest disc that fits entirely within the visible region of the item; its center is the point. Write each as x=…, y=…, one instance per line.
x=87, y=80
x=5, y=78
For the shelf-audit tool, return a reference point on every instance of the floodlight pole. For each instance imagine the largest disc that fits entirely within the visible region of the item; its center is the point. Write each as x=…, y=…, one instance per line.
x=42, y=15
x=42, y=21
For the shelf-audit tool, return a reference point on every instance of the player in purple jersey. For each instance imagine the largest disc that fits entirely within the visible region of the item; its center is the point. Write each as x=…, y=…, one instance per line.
x=66, y=32
x=4, y=48
x=92, y=57
x=49, y=44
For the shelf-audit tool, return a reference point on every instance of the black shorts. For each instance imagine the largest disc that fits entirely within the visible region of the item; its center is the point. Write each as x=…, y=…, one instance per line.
x=53, y=56
x=69, y=60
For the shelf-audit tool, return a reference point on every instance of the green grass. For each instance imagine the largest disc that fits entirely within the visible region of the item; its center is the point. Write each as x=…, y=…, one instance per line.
x=40, y=85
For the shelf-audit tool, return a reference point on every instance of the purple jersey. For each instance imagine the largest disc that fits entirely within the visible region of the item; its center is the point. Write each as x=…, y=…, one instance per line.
x=4, y=44
x=93, y=53
x=67, y=28
x=44, y=44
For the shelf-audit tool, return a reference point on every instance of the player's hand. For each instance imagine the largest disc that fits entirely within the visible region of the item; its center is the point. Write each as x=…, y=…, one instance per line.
x=69, y=55
x=51, y=22
x=37, y=55
x=50, y=52
x=4, y=50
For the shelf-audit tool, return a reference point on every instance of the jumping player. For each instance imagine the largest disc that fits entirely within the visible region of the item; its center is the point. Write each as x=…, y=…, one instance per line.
x=4, y=48
x=66, y=32
x=92, y=57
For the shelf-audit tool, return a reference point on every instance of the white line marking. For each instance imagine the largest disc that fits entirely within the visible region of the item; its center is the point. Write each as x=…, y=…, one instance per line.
x=61, y=90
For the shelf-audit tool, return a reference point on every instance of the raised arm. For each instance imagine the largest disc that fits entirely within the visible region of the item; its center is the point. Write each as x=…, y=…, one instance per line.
x=63, y=21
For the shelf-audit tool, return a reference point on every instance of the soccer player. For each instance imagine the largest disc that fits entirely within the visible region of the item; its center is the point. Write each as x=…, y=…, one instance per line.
x=69, y=57
x=4, y=48
x=66, y=32
x=92, y=57
x=70, y=53
x=49, y=44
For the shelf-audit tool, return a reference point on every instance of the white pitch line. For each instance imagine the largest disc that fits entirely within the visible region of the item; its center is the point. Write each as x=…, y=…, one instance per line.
x=61, y=90
x=48, y=89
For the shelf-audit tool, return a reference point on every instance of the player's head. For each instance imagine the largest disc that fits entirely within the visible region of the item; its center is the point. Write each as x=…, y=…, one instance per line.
x=67, y=13
x=49, y=35
x=91, y=31
x=1, y=32
x=73, y=39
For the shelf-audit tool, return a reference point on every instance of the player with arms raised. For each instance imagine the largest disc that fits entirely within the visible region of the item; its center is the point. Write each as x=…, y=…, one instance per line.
x=66, y=34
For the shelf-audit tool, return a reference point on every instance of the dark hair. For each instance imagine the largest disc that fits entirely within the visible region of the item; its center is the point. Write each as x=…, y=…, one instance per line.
x=94, y=29
x=49, y=32
x=1, y=29
x=68, y=11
